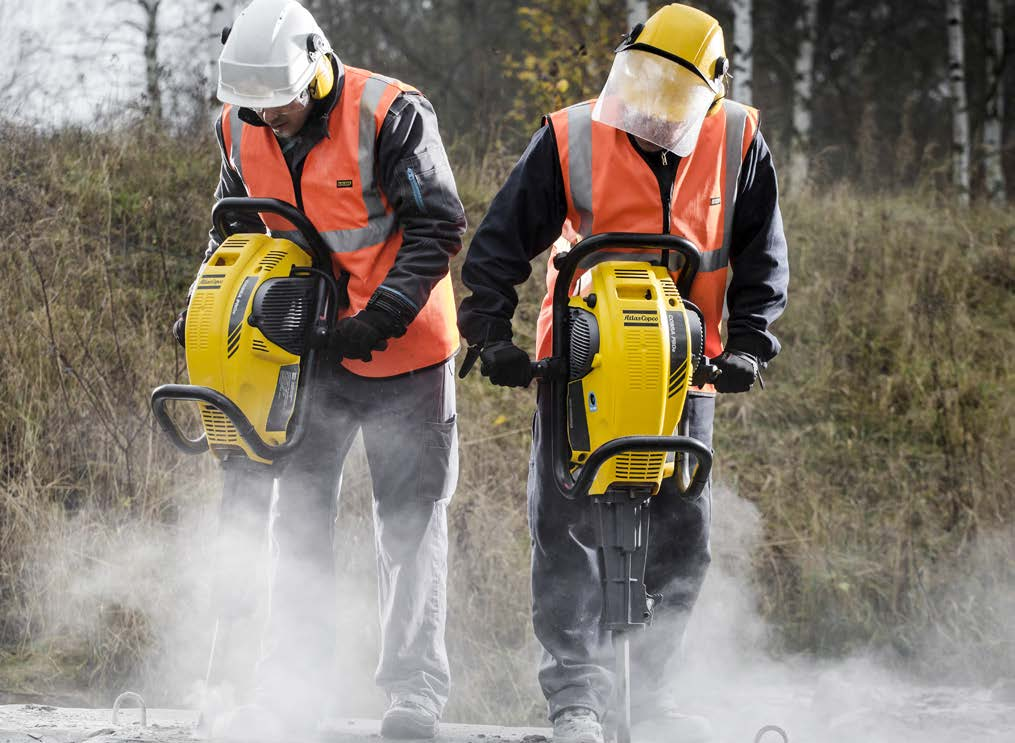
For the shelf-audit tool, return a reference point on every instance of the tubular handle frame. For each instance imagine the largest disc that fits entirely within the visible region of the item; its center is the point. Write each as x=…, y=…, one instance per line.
x=233, y=205
x=297, y=426
x=553, y=371
x=574, y=487
x=321, y=322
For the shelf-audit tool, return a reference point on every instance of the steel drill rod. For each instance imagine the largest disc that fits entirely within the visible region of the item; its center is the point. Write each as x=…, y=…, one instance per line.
x=622, y=651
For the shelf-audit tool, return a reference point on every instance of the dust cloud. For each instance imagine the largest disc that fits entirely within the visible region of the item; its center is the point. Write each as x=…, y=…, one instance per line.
x=142, y=604
x=727, y=676
x=146, y=593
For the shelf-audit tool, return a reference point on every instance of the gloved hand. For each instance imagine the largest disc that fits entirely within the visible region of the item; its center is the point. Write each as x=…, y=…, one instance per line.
x=739, y=370
x=180, y=329
x=506, y=364
x=357, y=337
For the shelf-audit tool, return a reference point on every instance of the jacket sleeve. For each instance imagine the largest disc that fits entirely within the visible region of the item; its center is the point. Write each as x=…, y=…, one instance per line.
x=523, y=220
x=416, y=178
x=230, y=184
x=759, y=259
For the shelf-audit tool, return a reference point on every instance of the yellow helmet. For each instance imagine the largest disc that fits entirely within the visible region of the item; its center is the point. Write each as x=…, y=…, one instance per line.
x=687, y=36
x=667, y=76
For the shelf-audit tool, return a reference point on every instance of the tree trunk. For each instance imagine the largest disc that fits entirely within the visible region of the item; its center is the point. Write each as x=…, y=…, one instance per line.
x=803, y=85
x=222, y=14
x=743, y=50
x=151, y=58
x=637, y=12
x=960, y=110
x=994, y=113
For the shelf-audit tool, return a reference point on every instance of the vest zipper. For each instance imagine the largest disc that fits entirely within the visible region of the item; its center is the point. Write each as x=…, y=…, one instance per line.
x=666, y=184
x=297, y=176
x=295, y=173
x=666, y=177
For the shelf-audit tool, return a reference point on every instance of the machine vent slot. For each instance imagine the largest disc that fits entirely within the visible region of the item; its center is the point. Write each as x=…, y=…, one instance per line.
x=584, y=342
x=271, y=260
x=631, y=273
x=258, y=345
x=200, y=314
x=219, y=430
x=644, y=358
x=284, y=308
x=234, y=241
x=669, y=288
x=639, y=466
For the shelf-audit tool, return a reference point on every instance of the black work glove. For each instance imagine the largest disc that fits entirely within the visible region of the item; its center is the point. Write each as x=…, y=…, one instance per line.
x=506, y=364
x=180, y=329
x=738, y=371
x=357, y=337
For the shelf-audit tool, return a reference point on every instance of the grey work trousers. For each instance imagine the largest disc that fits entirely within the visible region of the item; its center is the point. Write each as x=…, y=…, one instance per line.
x=577, y=663
x=410, y=435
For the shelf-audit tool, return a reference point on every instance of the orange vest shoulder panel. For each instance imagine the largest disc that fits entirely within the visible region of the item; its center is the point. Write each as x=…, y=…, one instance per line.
x=340, y=196
x=610, y=188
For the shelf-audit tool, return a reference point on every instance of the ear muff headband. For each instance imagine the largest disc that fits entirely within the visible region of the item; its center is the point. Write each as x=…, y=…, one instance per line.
x=324, y=79
x=720, y=67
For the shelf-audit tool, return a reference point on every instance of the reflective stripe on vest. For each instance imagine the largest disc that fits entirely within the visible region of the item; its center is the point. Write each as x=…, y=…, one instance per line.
x=342, y=198
x=579, y=150
x=347, y=241
x=736, y=122
x=594, y=156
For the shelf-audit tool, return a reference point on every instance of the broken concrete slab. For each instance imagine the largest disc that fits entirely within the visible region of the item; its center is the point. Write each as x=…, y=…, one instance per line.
x=34, y=723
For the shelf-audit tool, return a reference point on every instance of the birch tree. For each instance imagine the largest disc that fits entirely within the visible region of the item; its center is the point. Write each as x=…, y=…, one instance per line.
x=960, y=109
x=221, y=14
x=994, y=113
x=803, y=85
x=20, y=50
x=149, y=27
x=743, y=50
x=637, y=12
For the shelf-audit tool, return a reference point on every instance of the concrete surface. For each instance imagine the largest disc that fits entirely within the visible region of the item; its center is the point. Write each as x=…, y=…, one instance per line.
x=36, y=723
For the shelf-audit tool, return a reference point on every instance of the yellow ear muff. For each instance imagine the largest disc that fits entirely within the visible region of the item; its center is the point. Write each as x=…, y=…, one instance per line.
x=324, y=79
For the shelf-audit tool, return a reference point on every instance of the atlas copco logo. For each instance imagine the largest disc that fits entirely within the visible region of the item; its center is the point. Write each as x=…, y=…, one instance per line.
x=644, y=318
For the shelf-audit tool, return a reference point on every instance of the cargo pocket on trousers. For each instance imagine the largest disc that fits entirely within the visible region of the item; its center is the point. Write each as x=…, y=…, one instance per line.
x=438, y=465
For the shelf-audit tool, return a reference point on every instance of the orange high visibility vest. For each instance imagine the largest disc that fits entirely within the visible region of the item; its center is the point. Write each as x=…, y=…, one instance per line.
x=610, y=188
x=342, y=199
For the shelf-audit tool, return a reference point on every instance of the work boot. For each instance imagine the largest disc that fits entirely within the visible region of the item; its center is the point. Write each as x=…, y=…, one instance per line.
x=408, y=720
x=577, y=725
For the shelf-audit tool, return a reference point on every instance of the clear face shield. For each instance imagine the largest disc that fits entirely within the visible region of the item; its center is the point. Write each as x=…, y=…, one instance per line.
x=655, y=99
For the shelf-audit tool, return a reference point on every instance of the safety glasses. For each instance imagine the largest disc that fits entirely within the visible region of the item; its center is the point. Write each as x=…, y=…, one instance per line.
x=295, y=104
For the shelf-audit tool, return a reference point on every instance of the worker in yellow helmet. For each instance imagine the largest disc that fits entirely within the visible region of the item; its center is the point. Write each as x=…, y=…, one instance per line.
x=660, y=151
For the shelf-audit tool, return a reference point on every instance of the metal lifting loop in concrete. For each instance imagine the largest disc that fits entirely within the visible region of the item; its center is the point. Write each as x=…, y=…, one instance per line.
x=771, y=729
x=133, y=697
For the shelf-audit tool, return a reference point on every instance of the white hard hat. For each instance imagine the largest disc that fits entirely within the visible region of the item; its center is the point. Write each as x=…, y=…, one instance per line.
x=271, y=54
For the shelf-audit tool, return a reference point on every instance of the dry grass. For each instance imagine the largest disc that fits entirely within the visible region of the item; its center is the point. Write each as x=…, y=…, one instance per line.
x=877, y=456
